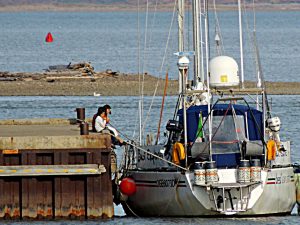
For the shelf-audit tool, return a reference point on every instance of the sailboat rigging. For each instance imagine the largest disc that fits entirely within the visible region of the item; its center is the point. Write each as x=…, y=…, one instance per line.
x=223, y=157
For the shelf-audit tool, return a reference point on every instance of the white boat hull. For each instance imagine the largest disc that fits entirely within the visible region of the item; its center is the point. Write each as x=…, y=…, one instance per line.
x=174, y=194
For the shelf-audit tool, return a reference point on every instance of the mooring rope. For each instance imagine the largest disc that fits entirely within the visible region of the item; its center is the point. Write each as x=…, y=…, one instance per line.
x=150, y=153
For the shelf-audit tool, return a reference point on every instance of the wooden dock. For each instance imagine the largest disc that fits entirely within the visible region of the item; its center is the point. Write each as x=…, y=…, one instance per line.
x=49, y=171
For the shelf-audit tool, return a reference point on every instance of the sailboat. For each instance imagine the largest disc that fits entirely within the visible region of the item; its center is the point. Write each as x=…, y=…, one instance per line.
x=223, y=155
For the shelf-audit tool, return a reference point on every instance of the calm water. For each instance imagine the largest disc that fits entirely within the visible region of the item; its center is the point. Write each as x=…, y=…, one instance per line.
x=151, y=221
x=124, y=117
x=125, y=114
x=109, y=40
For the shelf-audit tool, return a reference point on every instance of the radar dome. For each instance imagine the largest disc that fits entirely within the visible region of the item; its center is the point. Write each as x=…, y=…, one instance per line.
x=183, y=62
x=224, y=72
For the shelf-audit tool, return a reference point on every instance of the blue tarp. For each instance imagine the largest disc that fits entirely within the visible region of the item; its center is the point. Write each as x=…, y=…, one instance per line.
x=254, y=118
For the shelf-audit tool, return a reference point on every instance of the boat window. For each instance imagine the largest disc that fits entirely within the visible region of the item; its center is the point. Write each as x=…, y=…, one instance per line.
x=227, y=132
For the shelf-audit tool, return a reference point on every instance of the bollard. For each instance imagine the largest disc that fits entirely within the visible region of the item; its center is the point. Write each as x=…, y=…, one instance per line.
x=80, y=114
x=84, y=129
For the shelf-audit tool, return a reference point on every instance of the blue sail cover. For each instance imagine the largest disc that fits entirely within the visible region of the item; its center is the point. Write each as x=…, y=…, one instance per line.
x=254, y=118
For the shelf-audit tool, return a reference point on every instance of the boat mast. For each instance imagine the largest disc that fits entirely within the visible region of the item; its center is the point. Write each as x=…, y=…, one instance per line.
x=196, y=42
x=183, y=65
x=207, y=55
x=241, y=43
x=180, y=39
x=201, y=44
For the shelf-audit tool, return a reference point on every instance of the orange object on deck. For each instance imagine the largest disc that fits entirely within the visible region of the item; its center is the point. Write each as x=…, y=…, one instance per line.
x=271, y=147
x=178, y=153
x=49, y=37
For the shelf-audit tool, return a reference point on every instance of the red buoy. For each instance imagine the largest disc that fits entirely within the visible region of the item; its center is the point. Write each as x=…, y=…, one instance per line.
x=49, y=37
x=127, y=186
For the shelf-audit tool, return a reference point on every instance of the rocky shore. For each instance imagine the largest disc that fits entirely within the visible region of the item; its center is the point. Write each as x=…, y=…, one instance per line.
x=107, y=83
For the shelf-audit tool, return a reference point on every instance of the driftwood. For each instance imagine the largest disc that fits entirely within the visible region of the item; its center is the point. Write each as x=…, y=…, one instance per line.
x=85, y=68
x=7, y=79
x=58, y=72
x=112, y=73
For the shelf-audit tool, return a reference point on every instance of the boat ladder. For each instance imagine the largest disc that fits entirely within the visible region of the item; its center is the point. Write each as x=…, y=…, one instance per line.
x=231, y=198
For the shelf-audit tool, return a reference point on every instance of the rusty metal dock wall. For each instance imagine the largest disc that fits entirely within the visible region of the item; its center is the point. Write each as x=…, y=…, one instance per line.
x=39, y=195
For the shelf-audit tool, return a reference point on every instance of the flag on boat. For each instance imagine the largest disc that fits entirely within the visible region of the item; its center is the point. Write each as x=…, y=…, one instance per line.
x=200, y=127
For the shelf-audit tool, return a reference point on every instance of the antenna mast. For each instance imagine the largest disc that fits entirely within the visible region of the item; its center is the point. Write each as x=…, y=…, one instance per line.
x=180, y=37
x=241, y=43
x=196, y=43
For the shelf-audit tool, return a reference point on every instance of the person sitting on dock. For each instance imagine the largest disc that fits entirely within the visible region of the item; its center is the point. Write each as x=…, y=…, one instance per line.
x=94, y=119
x=101, y=124
x=107, y=109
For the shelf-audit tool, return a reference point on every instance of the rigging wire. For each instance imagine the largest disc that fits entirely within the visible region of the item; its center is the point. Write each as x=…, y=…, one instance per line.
x=255, y=52
x=138, y=59
x=162, y=64
x=146, y=48
x=143, y=76
x=148, y=44
x=250, y=38
x=145, y=58
x=188, y=31
x=218, y=38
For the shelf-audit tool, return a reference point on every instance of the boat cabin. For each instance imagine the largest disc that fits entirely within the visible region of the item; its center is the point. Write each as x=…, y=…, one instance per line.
x=236, y=133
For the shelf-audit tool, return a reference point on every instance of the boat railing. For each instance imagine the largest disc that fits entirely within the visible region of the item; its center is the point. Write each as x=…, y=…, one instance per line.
x=227, y=91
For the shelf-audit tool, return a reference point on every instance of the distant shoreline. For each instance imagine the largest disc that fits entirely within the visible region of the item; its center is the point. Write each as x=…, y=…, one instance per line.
x=73, y=83
x=130, y=7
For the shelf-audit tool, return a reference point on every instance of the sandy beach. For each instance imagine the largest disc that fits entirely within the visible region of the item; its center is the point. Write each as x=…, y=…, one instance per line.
x=72, y=83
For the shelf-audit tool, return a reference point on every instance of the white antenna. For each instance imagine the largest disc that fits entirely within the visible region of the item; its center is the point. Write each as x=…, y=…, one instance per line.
x=180, y=36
